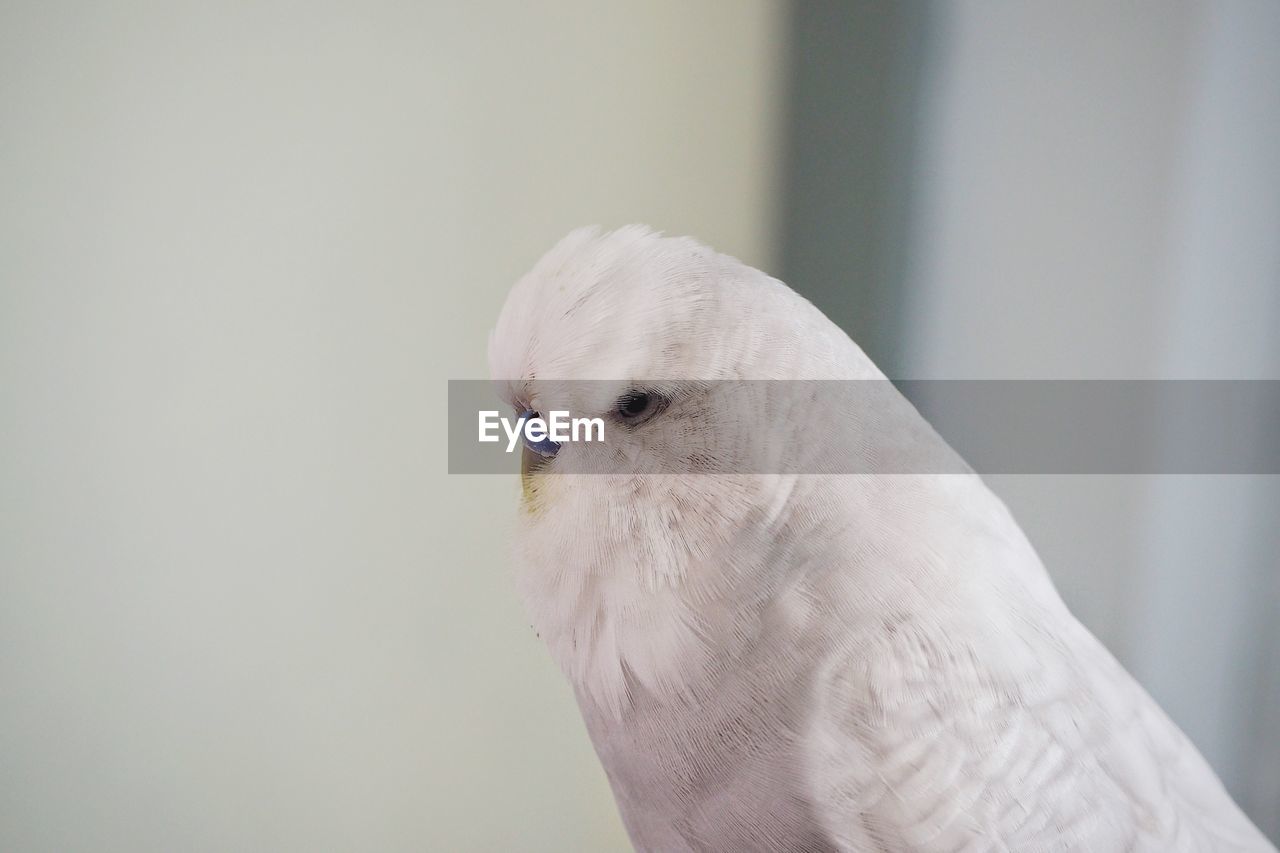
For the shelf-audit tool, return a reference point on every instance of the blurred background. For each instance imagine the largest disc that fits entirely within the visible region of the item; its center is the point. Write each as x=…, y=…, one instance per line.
x=242, y=605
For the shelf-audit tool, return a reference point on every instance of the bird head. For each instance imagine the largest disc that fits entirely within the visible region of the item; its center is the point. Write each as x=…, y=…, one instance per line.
x=668, y=343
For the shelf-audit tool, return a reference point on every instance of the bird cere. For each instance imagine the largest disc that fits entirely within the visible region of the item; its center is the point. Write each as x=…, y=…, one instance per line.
x=544, y=435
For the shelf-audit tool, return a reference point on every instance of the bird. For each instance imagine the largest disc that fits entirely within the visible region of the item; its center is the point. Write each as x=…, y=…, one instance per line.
x=857, y=657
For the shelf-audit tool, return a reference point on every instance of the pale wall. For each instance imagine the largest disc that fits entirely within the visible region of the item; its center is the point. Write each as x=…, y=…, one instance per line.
x=242, y=606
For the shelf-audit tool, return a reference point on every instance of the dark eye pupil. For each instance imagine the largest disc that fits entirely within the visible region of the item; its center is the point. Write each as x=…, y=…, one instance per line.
x=633, y=403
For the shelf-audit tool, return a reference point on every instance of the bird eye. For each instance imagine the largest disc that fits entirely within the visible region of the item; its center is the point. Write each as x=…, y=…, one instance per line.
x=633, y=404
x=637, y=406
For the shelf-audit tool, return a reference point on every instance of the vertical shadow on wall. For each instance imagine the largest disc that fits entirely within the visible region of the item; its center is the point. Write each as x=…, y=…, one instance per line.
x=852, y=98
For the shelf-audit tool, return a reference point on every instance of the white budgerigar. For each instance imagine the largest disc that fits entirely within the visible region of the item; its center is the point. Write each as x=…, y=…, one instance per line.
x=806, y=661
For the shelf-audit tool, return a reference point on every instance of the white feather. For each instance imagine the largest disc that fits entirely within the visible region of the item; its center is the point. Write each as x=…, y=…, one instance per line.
x=815, y=662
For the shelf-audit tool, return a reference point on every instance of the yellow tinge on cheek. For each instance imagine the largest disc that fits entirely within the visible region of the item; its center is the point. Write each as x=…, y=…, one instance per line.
x=530, y=462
